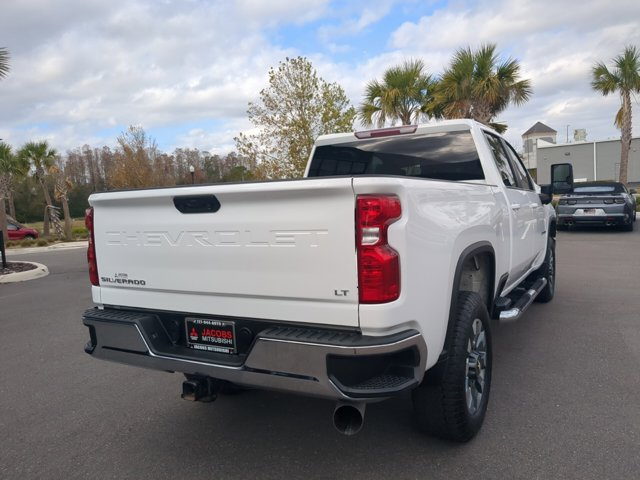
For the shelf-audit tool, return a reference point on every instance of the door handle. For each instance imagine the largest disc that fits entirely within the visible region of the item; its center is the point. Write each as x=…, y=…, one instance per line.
x=515, y=206
x=534, y=205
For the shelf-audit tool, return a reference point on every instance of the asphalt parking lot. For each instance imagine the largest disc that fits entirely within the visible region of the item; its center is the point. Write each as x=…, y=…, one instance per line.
x=565, y=399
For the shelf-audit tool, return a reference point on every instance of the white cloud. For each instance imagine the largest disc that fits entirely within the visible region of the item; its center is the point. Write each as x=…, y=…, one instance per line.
x=356, y=16
x=218, y=141
x=556, y=43
x=147, y=63
x=82, y=69
x=281, y=11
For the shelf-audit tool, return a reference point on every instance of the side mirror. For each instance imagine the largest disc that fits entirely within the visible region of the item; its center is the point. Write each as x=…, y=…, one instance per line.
x=545, y=194
x=545, y=198
x=633, y=191
x=562, y=178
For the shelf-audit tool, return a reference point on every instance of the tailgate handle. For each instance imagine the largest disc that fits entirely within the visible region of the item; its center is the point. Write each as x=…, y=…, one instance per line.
x=197, y=204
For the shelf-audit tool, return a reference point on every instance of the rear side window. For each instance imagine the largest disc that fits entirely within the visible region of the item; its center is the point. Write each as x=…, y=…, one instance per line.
x=501, y=160
x=441, y=156
x=522, y=177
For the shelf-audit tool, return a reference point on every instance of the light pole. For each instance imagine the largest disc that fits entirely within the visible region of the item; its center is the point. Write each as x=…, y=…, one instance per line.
x=568, y=133
x=192, y=171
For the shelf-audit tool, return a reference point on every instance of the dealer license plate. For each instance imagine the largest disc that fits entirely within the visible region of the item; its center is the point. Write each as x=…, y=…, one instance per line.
x=589, y=211
x=211, y=335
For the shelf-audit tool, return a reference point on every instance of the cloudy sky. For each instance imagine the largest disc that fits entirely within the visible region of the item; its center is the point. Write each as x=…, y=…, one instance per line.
x=83, y=70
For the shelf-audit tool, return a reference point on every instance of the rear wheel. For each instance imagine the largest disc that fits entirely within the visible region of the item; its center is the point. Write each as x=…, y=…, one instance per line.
x=628, y=227
x=452, y=400
x=548, y=271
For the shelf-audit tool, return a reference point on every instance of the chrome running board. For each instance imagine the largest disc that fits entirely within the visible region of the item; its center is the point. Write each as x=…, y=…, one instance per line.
x=523, y=302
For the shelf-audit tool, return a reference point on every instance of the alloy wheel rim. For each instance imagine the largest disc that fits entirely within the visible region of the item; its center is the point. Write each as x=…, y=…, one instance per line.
x=476, y=366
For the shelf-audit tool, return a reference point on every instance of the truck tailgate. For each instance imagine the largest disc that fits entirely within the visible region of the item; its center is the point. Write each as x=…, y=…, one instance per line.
x=273, y=250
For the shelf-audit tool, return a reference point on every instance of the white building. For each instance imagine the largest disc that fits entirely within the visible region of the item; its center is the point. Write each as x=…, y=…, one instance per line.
x=530, y=138
x=597, y=160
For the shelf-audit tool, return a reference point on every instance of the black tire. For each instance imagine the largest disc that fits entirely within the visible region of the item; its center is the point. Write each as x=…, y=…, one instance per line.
x=548, y=271
x=452, y=399
x=628, y=227
x=29, y=237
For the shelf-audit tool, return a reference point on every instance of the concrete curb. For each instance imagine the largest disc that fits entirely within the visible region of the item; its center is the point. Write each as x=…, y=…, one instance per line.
x=38, y=272
x=48, y=248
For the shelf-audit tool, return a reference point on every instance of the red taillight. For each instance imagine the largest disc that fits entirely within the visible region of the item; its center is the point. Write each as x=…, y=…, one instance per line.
x=378, y=263
x=91, y=251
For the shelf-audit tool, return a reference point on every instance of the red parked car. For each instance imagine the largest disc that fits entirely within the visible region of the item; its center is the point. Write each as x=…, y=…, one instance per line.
x=19, y=232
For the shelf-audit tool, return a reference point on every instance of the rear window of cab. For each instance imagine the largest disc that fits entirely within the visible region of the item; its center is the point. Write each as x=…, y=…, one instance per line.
x=440, y=156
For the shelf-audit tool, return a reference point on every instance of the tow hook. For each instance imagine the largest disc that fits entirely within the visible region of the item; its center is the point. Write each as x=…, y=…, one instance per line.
x=200, y=389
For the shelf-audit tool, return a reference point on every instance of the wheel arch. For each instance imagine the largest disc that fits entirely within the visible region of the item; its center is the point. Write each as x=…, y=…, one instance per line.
x=482, y=254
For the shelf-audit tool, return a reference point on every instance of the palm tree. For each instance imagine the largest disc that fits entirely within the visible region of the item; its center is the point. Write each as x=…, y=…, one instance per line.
x=6, y=163
x=10, y=167
x=405, y=94
x=40, y=157
x=624, y=79
x=63, y=186
x=477, y=85
x=4, y=62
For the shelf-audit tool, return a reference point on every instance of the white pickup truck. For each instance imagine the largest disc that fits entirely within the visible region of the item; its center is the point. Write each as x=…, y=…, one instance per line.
x=376, y=274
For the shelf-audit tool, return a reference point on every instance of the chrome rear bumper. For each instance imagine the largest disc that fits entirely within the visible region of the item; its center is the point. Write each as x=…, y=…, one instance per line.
x=323, y=363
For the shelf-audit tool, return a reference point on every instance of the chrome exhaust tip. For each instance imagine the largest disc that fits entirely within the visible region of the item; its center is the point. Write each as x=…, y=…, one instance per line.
x=348, y=418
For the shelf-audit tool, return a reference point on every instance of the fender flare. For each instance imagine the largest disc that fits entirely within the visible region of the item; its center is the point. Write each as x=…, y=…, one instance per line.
x=469, y=252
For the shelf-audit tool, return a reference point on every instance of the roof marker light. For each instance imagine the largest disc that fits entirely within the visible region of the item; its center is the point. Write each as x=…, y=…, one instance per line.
x=386, y=132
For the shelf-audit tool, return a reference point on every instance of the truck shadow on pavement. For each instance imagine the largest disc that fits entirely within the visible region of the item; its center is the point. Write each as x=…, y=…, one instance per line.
x=285, y=436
